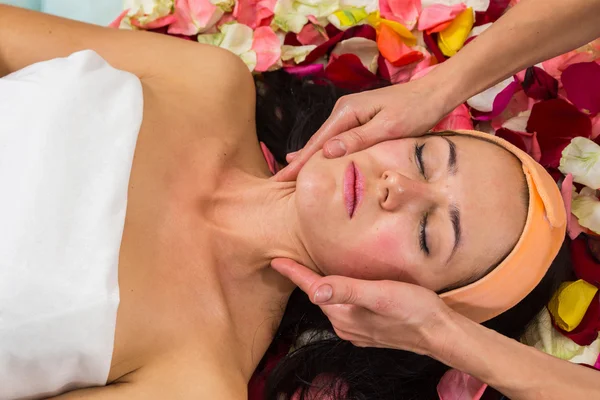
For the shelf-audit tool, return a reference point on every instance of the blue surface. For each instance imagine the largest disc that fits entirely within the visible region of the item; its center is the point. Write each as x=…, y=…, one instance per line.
x=100, y=12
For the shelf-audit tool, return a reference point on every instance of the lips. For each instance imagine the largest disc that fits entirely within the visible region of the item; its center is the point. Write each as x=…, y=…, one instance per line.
x=353, y=189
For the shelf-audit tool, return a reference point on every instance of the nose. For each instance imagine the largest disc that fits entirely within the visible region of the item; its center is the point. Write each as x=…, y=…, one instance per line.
x=397, y=190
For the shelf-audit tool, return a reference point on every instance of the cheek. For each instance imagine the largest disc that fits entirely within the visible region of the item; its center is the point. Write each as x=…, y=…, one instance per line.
x=376, y=255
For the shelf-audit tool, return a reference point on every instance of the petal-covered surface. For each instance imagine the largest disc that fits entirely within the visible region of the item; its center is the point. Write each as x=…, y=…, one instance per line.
x=582, y=84
x=457, y=385
x=581, y=158
x=365, y=49
x=438, y=14
x=570, y=303
x=452, y=39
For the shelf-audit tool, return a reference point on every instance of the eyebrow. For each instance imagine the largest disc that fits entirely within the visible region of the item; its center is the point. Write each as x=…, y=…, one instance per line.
x=453, y=210
x=452, y=167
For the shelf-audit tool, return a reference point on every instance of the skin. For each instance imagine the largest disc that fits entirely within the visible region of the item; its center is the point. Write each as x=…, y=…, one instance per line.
x=382, y=239
x=199, y=302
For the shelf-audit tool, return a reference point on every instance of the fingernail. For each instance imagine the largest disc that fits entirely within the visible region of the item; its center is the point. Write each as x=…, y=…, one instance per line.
x=336, y=148
x=323, y=294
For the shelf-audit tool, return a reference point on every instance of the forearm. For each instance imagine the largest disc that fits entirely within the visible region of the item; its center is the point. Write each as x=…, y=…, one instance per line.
x=531, y=32
x=516, y=370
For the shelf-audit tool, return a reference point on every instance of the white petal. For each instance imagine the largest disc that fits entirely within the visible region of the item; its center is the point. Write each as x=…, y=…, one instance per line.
x=213, y=39
x=582, y=159
x=518, y=123
x=369, y=5
x=298, y=53
x=476, y=5
x=484, y=101
x=586, y=207
x=478, y=30
x=249, y=58
x=364, y=48
x=237, y=38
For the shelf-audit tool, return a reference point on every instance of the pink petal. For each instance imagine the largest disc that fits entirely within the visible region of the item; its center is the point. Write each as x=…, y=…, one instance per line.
x=456, y=385
x=582, y=84
x=117, y=22
x=437, y=14
x=312, y=34
x=404, y=11
x=555, y=66
x=412, y=71
x=500, y=102
x=595, y=127
x=158, y=23
x=267, y=47
x=566, y=191
x=253, y=12
x=457, y=119
x=192, y=16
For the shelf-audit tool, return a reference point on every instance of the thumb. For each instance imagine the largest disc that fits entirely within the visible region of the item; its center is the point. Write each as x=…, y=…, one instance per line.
x=356, y=139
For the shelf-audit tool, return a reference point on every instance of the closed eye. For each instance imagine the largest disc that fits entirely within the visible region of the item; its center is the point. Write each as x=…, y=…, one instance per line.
x=419, y=159
x=423, y=235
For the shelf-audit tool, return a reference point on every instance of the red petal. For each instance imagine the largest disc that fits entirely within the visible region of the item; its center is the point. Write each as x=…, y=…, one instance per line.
x=582, y=84
x=539, y=85
x=348, y=72
x=512, y=137
x=494, y=11
x=336, y=36
x=587, y=330
x=584, y=264
x=432, y=45
x=556, y=122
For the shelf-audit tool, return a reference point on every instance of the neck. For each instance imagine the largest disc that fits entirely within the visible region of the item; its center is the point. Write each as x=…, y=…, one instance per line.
x=251, y=221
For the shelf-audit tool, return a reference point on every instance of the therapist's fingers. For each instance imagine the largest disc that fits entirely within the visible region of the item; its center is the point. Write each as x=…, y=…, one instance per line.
x=334, y=290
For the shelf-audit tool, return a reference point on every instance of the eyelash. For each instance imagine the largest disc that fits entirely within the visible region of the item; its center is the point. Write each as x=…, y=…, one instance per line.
x=419, y=158
x=423, y=225
x=423, y=236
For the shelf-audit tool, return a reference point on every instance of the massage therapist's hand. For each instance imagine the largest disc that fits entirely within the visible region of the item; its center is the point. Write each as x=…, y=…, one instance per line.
x=383, y=314
x=361, y=120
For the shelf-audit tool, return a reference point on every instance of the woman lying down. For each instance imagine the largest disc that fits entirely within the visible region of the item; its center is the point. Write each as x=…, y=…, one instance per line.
x=139, y=222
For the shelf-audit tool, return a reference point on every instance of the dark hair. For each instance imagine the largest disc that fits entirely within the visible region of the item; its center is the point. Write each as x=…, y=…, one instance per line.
x=288, y=111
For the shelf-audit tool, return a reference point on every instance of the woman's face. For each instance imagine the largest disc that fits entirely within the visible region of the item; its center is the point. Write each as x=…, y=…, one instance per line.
x=436, y=211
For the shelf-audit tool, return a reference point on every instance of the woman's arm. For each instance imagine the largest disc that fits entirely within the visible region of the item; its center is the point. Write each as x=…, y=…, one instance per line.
x=533, y=31
x=518, y=371
x=27, y=37
x=530, y=32
x=402, y=316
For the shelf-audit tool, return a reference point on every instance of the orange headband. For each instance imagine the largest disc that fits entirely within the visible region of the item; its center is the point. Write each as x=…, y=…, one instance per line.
x=523, y=269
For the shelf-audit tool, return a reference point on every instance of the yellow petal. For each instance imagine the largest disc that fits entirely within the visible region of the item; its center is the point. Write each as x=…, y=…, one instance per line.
x=570, y=302
x=349, y=17
x=407, y=37
x=374, y=19
x=452, y=39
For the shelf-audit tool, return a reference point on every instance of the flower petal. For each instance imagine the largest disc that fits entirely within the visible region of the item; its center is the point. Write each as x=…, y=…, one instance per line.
x=194, y=16
x=556, y=122
x=298, y=53
x=586, y=207
x=347, y=72
x=493, y=12
x=344, y=19
x=539, y=85
x=486, y=100
x=253, y=13
x=581, y=158
x=306, y=70
x=407, y=37
x=404, y=11
x=411, y=71
x=457, y=385
x=312, y=34
x=582, y=84
x=586, y=267
x=587, y=331
x=458, y=119
x=267, y=47
x=476, y=5
x=452, y=39
x=393, y=48
x=438, y=14
x=365, y=49
x=570, y=303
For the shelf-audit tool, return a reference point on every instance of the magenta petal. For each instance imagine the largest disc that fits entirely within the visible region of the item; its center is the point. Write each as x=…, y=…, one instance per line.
x=539, y=85
x=306, y=70
x=500, y=103
x=347, y=72
x=582, y=84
